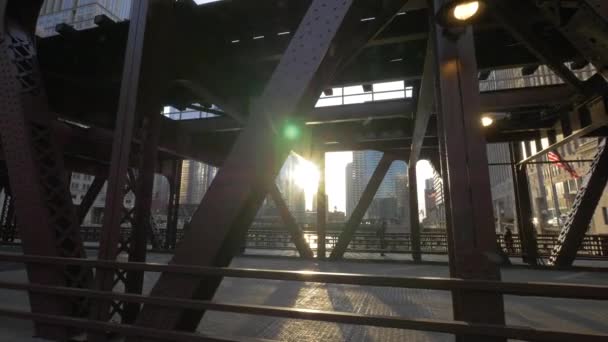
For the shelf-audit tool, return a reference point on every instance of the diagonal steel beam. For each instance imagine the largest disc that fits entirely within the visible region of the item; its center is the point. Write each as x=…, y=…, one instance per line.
x=324, y=37
x=426, y=102
x=90, y=196
x=583, y=209
x=297, y=236
x=364, y=202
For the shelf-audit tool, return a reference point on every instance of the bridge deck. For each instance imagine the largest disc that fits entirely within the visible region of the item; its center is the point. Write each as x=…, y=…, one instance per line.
x=589, y=316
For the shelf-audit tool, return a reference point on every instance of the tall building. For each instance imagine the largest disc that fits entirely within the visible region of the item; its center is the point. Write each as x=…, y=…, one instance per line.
x=293, y=194
x=553, y=190
x=351, y=201
x=434, y=203
x=358, y=174
x=79, y=13
x=196, y=179
x=501, y=182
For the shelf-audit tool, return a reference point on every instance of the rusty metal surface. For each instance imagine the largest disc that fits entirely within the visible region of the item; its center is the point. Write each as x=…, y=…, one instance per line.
x=47, y=219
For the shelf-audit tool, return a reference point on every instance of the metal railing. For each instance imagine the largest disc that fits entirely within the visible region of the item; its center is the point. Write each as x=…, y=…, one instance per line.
x=592, y=247
x=536, y=289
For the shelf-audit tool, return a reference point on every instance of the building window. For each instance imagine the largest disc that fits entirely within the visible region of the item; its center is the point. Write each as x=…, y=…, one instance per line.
x=605, y=212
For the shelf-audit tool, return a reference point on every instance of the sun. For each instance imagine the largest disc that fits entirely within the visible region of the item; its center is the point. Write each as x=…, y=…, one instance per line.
x=306, y=176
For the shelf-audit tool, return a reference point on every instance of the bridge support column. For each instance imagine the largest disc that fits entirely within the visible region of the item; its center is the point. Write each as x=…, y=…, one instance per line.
x=142, y=220
x=321, y=208
x=472, y=237
x=523, y=207
x=364, y=202
x=414, y=217
x=145, y=77
x=175, y=179
x=47, y=218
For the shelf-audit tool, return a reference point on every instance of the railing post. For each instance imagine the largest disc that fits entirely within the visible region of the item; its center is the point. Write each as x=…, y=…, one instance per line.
x=414, y=218
x=321, y=208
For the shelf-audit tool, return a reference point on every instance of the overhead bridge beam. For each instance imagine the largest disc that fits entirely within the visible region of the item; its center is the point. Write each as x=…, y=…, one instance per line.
x=493, y=101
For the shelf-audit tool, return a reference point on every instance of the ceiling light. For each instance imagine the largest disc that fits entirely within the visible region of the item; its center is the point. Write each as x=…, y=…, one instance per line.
x=466, y=11
x=486, y=121
x=460, y=13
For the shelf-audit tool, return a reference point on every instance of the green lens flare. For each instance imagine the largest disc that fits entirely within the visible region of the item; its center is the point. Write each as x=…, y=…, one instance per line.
x=291, y=132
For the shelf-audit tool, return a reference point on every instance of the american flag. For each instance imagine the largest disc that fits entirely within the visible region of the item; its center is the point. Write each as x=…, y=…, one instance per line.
x=556, y=159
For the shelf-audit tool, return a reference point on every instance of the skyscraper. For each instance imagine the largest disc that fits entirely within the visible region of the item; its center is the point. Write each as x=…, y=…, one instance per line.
x=79, y=13
x=196, y=179
x=358, y=174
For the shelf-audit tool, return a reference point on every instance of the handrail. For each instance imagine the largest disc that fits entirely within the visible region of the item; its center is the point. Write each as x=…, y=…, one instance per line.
x=536, y=289
x=434, y=325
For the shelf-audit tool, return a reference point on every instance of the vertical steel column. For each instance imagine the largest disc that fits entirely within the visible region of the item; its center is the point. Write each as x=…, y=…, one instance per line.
x=143, y=200
x=174, y=178
x=364, y=202
x=321, y=208
x=470, y=223
x=144, y=76
x=297, y=236
x=523, y=207
x=46, y=215
x=414, y=218
x=219, y=226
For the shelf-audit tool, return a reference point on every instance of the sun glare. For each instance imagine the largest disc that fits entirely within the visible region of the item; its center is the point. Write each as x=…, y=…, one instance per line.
x=306, y=176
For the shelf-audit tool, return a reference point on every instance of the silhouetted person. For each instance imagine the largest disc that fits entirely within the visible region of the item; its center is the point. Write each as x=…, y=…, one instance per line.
x=509, y=241
x=381, y=233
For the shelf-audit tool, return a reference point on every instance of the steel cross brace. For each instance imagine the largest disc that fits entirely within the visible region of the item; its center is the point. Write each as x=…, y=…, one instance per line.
x=46, y=215
x=472, y=238
x=364, y=202
x=583, y=209
x=91, y=195
x=219, y=226
x=424, y=111
x=296, y=233
x=507, y=14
